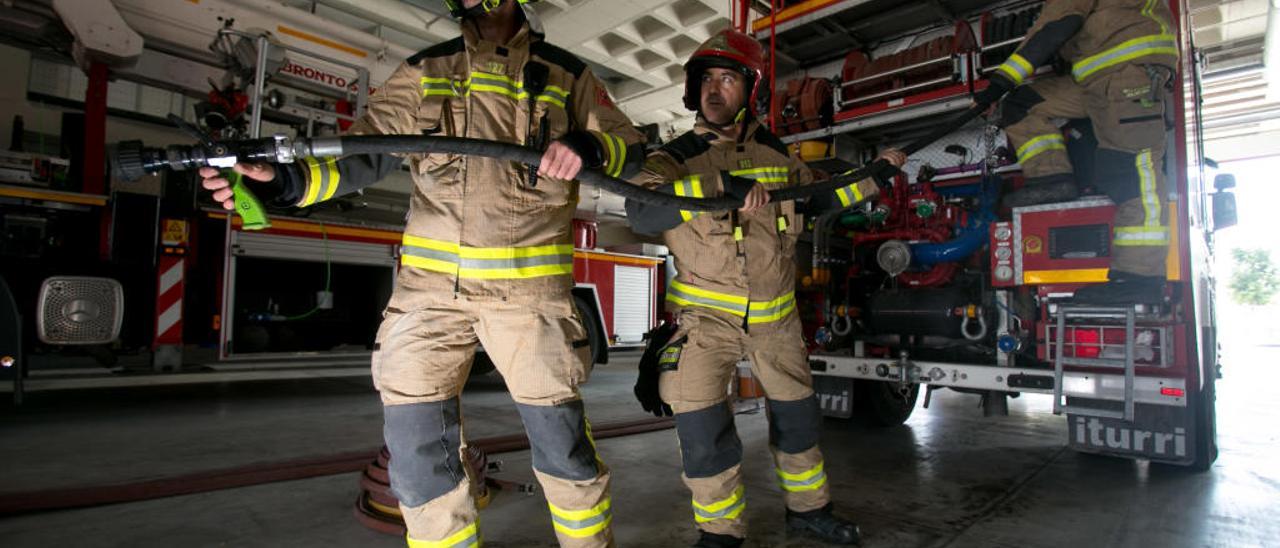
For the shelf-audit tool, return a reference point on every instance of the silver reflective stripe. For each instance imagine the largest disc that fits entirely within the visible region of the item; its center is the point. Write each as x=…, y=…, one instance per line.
x=1133, y=49
x=737, y=308
x=517, y=262
x=583, y=523
x=430, y=253
x=805, y=483
x=705, y=515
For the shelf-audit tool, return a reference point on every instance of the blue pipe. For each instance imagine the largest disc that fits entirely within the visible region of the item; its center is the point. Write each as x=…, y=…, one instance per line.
x=968, y=238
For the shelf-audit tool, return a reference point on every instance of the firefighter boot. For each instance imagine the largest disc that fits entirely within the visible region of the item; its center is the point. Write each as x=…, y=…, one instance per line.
x=712, y=540
x=1051, y=190
x=1123, y=288
x=825, y=525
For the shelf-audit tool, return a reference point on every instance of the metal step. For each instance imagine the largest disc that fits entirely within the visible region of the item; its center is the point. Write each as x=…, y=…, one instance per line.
x=1065, y=313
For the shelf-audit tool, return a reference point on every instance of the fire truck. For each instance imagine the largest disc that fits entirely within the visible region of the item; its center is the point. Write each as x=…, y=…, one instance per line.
x=934, y=286
x=152, y=268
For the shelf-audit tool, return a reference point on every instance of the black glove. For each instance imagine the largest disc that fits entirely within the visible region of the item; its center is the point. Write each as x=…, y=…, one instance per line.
x=646, y=389
x=735, y=186
x=883, y=172
x=1000, y=86
x=586, y=146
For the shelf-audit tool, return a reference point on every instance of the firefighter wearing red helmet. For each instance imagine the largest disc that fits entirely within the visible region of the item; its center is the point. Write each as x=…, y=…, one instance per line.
x=487, y=258
x=734, y=296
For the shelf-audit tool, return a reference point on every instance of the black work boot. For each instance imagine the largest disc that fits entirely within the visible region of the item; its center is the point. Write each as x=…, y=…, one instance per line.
x=825, y=525
x=1046, y=192
x=1123, y=289
x=712, y=540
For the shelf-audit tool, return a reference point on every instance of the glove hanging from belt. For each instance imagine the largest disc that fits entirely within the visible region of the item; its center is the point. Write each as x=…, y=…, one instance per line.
x=646, y=388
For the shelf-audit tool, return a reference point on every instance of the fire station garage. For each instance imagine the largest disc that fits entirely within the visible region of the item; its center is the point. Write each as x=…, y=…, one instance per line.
x=650, y=273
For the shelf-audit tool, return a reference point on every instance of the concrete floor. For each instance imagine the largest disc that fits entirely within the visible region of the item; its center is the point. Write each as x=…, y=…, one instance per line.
x=947, y=478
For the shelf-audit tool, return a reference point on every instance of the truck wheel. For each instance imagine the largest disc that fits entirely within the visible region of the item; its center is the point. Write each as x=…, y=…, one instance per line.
x=595, y=338
x=880, y=403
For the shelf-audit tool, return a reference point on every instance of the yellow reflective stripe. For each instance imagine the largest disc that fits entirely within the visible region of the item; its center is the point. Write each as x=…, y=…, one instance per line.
x=467, y=536
x=782, y=224
x=1147, y=176
x=313, y=182
x=496, y=83
x=1017, y=68
x=809, y=480
x=616, y=152
x=729, y=508
x=771, y=311
x=689, y=186
x=1040, y=143
x=1158, y=44
x=582, y=523
x=849, y=195
x=487, y=263
x=670, y=355
x=737, y=234
x=1149, y=11
x=331, y=163
x=772, y=174
x=686, y=295
x=1134, y=236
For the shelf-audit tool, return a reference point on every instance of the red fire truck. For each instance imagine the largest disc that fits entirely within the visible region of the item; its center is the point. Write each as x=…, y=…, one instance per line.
x=934, y=285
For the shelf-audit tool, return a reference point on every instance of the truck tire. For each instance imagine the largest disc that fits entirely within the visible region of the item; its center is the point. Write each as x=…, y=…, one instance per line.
x=591, y=322
x=879, y=403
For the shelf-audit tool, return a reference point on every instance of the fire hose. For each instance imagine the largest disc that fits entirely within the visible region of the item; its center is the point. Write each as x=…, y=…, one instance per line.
x=130, y=160
x=262, y=473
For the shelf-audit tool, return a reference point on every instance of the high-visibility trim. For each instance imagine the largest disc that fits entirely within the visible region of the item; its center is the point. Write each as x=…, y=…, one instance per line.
x=728, y=508
x=488, y=263
x=1041, y=143
x=1077, y=275
x=1017, y=68
x=1156, y=44
x=756, y=312
x=768, y=174
x=670, y=355
x=849, y=195
x=1147, y=179
x=467, y=536
x=322, y=180
x=687, y=295
x=582, y=523
x=689, y=186
x=771, y=311
x=737, y=234
x=491, y=83
x=782, y=224
x=1137, y=236
x=615, y=153
x=809, y=480
x=1149, y=11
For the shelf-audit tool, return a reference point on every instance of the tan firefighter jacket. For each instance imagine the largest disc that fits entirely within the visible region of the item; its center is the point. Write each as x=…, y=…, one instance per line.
x=1096, y=37
x=476, y=225
x=742, y=264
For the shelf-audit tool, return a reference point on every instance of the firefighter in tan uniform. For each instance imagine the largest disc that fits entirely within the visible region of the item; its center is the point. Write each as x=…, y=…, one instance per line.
x=487, y=258
x=735, y=297
x=1122, y=54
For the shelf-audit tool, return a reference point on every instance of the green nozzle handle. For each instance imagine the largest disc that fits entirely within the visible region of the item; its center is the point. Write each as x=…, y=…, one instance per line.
x=250, y=208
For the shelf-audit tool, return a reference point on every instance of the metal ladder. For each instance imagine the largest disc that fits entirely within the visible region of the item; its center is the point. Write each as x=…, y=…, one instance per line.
x=1067, y=312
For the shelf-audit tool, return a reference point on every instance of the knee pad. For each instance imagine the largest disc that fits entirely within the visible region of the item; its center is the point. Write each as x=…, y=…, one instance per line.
x=558, y=438
x=794, y=425
x=423, y=439
x=1116, y=174
x=1018, y=105
x=709, y=442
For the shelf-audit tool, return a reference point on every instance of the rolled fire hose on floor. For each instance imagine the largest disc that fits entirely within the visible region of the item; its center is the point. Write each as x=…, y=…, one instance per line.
x=262, y=473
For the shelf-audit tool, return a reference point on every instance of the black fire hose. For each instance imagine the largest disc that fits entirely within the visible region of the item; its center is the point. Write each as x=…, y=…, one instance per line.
x=131, y=160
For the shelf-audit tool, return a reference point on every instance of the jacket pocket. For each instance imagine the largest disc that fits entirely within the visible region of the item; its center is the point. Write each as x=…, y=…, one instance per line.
x=437, y=117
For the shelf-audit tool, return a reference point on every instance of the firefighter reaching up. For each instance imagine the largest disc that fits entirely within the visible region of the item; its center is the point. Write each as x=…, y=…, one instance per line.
x=487, y=259
x=1122, y=54
x=735, y=297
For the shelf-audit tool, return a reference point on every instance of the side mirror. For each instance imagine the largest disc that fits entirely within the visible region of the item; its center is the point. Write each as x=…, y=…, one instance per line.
x=1224, y=181
x=1224, y=209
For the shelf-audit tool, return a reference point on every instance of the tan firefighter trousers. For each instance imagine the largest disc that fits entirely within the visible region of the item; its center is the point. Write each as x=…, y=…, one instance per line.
x=705, y=351
x=421, y=361
x=1127, y=109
